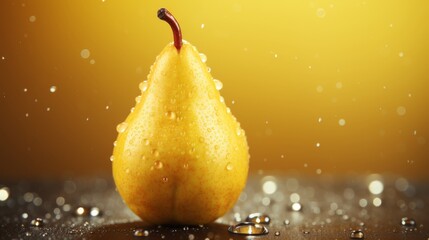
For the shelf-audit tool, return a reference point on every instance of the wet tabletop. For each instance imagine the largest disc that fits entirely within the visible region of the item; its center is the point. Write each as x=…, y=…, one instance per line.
x=281, y=206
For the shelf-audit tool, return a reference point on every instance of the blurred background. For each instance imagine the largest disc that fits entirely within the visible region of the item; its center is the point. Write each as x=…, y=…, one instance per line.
x=320, y=87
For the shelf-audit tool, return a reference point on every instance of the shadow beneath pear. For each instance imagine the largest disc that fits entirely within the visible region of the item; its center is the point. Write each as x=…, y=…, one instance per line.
x=126, y=231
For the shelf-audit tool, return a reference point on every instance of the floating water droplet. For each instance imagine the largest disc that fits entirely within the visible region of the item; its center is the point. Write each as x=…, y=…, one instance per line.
x=319, y=120
x=320, y=12
x=158, y=164
x=53, y=89
x=218, y=84
x=342, y=122
x=408, y=222
x=401, y=110
x=258, y=218
x=32, y=18
x=112, y=158
x=25, y=89
x=356, y=234
x=38, y=222
x=143, y=86
x=85, y=53
x=141, y=233
x=248, y=228
x=138, y=99
x=317, y=144
x=229, y=166
x=122, y=127
x=203, y=57
x=171, y=115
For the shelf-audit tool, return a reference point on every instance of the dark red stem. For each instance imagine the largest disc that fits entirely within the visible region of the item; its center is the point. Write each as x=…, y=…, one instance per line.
x=165, y=15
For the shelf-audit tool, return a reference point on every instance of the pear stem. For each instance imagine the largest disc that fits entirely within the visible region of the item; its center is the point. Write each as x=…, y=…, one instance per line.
x=165, y=15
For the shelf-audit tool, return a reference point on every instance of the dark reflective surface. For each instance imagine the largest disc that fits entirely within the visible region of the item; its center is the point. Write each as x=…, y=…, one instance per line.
x=332, y=208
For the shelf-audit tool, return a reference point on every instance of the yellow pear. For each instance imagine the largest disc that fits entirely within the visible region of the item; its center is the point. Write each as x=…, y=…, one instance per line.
x=181, y=157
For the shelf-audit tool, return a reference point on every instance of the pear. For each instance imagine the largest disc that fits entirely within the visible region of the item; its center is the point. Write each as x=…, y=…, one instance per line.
x=180, y=157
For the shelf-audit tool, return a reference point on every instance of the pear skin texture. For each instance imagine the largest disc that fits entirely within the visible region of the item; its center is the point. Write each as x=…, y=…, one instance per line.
x=181, y=156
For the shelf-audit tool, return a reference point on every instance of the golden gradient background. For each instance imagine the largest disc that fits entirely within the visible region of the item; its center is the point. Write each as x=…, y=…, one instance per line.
x=284, y=65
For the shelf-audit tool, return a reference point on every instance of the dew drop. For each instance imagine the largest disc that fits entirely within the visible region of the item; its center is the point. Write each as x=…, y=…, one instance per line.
x=342, y=122
x=408, y=222
x=238, y=131
x=158, y=164
x=171, y=115
x=258, y=218
x=122, y=127
x=143, y=86
x=356, y=234
x=112, y=158
x=115, y=143
x=85, y=53
x=141, y=233
x=229, y=166
x=203, y=57
x=248, y=228
x=53, y=89
x=38, y=222
x=138, y=99
x=317, y=144
x=218, y=84
x=287, y=222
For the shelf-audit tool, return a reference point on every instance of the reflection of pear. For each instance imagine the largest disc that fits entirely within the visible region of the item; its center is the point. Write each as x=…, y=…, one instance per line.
x=180, y=156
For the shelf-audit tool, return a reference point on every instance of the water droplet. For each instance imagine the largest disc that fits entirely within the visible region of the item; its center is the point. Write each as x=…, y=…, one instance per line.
x=146, y=142
x=320, y=12
x=95, y=212
x=258, y=218
x=356, y=234
x=218, y=84
x=122, y=127
x=171, y=115
x=32, y=18
x=143, y=86
x=296, y=207
x=155, y=153
x=38, y=222
x=141, y=233
x=377, y=202
x=85, y=53
x=112, y=158
x=4, y=193
x=25, y=89
x=202, y=25
x=221, y=99
x=229, y=166
x=165, y=179
x=342, y=122
x=158, y=164
x=287, y=222
x=138, y=99
x=53, y=89
x=376, y=187
x=238, y=131
x=317, y=144
x=319, y=89
x=319, y=120
x=203, y=57
x=401, y=110
x=277, y=233
x=92, y=61
x=114, y=143
x=269, y=187
x=408, y=222
x=248, y=228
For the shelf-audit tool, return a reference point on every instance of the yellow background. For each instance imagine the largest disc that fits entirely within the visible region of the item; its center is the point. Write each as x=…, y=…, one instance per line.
x=284, y=65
